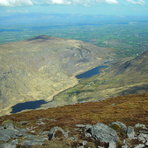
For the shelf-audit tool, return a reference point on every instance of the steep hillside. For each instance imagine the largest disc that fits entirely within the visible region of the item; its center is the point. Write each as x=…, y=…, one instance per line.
x=129, y=109
x=130, y=77
x=41, y=67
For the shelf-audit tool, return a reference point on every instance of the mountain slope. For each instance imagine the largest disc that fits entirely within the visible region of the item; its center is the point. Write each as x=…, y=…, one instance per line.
x=129, y=109
x=41, y=67
x=122, y=78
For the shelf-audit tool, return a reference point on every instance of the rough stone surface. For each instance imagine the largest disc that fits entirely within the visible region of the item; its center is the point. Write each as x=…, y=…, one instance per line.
x=131, y=132
x=112, y=145
x=80, y=125
x=8, y=125
x=103, y=133
x=120, y=125
x=138, y=125
x=7, y=145
x=140, y=146
x=54, y=130
x=6, y=134
x=125, y=146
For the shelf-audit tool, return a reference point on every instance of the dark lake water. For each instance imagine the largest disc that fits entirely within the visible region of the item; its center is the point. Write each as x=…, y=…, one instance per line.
x=91, y=72
x=27, y=105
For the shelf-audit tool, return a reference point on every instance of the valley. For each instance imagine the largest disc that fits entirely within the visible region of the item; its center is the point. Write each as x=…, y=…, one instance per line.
x=43, y=66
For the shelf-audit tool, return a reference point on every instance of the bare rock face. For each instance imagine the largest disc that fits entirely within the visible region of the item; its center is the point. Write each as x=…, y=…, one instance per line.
x=41, y=67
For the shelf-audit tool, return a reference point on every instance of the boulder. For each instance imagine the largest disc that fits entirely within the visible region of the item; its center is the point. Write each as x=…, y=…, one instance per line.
x=57, y=131
x=103, y=133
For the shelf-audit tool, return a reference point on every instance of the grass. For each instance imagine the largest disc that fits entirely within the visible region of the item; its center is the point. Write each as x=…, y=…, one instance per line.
x=129, y=109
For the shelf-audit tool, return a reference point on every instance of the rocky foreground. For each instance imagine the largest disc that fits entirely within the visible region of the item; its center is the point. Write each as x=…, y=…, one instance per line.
x=116, y=134
x=119, y=122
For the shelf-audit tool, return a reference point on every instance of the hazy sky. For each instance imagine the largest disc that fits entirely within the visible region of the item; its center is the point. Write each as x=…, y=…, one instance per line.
x=107, y=7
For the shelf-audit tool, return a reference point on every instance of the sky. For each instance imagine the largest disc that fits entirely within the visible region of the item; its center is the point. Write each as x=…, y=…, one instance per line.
x=97, y=7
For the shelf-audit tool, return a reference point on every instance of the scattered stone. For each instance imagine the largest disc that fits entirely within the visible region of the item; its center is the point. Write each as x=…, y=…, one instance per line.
x=140, y=146
x=143, y=138
x=125, y=146
x=84, y=143
x=23, y=122
x=80, y=125
x=142, y=126
x=56, y=130
x=131, y=132
x=81, y=146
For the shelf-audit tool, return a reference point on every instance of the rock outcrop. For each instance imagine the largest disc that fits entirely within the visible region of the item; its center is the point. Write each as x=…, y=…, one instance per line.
x=96, y=136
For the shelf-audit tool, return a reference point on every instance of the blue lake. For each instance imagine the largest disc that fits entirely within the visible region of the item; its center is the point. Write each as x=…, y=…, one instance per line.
x=91, y=72
x=27, y=105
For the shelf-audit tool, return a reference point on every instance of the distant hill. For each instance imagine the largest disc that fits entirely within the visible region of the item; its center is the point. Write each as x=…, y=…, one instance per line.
x=121, y=78
x=43, y=66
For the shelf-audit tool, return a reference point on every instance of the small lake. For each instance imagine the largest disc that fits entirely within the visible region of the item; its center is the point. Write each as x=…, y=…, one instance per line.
x=91, y=72
x=27, y=105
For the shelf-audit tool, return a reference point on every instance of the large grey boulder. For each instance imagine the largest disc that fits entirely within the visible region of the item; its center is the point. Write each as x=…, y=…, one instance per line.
x=53, y=131
x=103, y=133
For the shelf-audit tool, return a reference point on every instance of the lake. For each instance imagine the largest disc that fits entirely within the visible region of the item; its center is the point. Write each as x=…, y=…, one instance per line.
x=91, y=72
x=27, y=105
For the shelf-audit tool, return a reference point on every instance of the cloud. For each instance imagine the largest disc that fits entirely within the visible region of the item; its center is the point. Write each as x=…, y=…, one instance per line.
x=15, y=2
x=139, y=2
x=59, y=2
x=67, y=2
